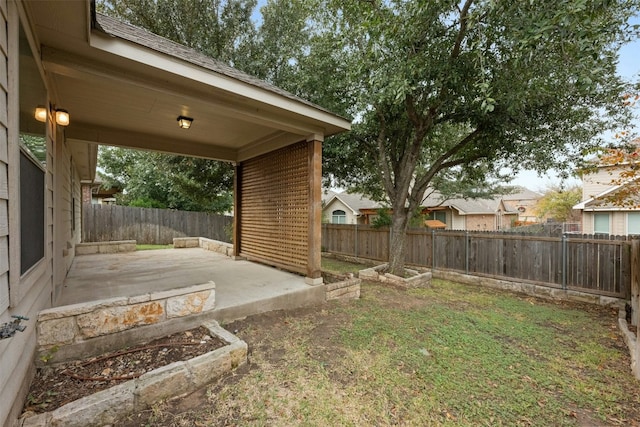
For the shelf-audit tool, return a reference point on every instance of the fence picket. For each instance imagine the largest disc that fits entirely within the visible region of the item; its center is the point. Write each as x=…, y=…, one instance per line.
x=102, y=223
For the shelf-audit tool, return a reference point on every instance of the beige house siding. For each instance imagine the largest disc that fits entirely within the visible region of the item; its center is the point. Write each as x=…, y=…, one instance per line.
x=4, y=177
x=618, y=222
x=66, y=214
x=336, y=204
x=32, y=291
x=595, y=183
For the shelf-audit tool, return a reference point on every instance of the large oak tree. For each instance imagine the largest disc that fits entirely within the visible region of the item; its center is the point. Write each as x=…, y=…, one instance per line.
x=457, y=91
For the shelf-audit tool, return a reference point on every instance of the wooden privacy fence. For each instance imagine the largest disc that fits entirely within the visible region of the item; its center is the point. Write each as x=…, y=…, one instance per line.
x=595, y=264
x=101, y=223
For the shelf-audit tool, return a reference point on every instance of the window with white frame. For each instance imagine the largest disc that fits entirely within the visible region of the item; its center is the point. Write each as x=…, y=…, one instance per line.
x=601, y=223
x=633, y=223
x=338, y=217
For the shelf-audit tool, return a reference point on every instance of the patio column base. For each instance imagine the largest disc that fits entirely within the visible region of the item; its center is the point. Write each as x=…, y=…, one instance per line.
x=313, y=281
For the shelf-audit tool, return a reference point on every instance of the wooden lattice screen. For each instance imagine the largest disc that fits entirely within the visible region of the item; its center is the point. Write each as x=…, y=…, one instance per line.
x=274, y=208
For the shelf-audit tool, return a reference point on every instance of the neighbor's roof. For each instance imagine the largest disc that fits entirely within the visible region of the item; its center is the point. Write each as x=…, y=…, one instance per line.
x=467, y=206
x=522, y=193
x=593, y=202
x=354, y=201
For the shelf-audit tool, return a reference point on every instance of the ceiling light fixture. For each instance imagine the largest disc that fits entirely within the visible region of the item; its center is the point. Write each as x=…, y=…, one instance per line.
x=41, y=113
x=184, y=122
x=62, y=117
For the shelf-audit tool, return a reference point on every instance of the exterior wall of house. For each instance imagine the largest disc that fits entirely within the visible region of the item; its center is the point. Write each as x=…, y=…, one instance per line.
x=67, y=213
x=480, y=222
x=525, y=208
x=599, y=181
x=618, y=221
x=337, y=205
x=4, y=162
x=29, y=292
x=458, y=222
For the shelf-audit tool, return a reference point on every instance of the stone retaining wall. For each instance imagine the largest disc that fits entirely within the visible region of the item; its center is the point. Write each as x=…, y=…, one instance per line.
x=202, y=242
x=417, y=278
x=113, y=247
x=176, y=379
x=346, y=289
x=91, y=328
x=529, y=289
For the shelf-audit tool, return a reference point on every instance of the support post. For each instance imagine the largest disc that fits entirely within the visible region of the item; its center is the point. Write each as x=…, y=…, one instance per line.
x=314, y=269
x=237, y=209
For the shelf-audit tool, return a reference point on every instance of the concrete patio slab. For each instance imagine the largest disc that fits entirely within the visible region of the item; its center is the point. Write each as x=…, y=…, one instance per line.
x=242, y=287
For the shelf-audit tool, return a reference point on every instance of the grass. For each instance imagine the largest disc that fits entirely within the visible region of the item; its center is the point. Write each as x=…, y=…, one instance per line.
x=152, y=247
x=453, y=355
x=339, y=266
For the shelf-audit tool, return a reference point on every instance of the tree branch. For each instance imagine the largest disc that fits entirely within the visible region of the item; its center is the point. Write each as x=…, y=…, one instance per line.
x=464, y=15
x=441, y=163
x=382, y=155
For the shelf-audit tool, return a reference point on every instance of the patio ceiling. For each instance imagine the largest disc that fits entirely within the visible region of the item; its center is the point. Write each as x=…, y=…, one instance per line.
x=126, y=87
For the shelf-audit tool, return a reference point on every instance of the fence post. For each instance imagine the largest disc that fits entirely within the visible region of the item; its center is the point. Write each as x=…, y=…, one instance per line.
x=466, y=252
x=356, y=239
x=564, y=260
x=635, y=283
x=433, y=249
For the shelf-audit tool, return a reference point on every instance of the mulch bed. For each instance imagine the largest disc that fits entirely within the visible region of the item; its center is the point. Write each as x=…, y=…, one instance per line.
x=55, y=386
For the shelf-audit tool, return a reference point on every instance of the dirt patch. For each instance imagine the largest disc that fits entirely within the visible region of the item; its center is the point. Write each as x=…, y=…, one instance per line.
x=55, y=386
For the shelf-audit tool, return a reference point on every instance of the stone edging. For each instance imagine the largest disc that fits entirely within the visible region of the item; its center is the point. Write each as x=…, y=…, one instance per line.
x=112, y=247
x=176, y=379
x=202, y=242
x=94, y=327
x=418, y=278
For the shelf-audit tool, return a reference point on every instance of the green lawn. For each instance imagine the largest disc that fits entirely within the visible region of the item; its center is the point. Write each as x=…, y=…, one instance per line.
x=450, y=355
x=152, y=247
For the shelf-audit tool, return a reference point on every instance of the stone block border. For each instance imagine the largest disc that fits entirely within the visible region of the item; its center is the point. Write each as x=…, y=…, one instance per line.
x=96, y=327
x=176, y=379
x=202, y=242
x=344, y=289
x=112, y=247
x=416, y=280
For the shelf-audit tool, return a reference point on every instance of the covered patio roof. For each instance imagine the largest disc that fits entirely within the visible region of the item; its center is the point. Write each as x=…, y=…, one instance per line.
x=124, y=86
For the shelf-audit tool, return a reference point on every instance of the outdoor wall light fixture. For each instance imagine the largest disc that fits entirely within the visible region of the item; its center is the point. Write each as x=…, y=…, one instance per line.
x=184, y=122
x=41, y=113
x=62, y=117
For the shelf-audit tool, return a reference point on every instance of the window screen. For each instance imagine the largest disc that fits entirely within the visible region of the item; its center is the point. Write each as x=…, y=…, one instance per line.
x=338, y=217
x=633, y=223
x=601, y=223
x=31, y=212
x=438, y=215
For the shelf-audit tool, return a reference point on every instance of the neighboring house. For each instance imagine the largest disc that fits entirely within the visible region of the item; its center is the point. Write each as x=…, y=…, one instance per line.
x=470, y=214
x=600, y=217
x=524, y=202
x=95, y=193
x=74, y=79
x=349, y=208
x=451, y=214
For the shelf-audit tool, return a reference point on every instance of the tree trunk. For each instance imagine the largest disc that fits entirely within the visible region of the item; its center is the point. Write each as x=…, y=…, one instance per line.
x=397, y=248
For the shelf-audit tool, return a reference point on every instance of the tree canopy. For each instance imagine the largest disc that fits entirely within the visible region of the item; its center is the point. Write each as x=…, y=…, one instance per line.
x=158, y=180
x=557, y=203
